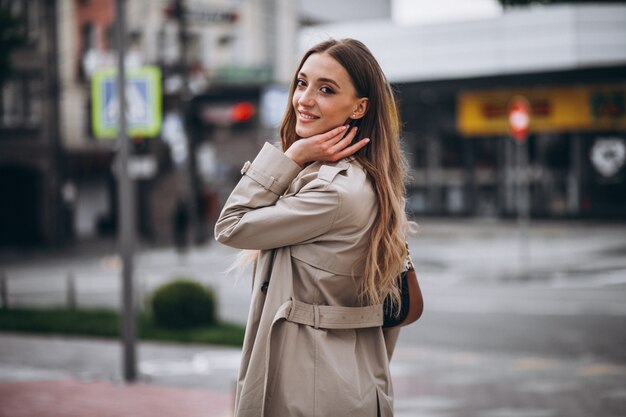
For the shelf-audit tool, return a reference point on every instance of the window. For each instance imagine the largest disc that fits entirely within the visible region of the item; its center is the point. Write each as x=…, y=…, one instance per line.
x=21, y=104
x=15, y=6
x=32, y=20
x=111, y=37
x=28, y=12
x=11, y=103
x=88, y=42
x=33, y=103
x=88, y=37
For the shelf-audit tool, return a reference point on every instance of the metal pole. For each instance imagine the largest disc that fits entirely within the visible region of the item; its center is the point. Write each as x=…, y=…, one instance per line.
x=126, y=211
x=573, y=176
x=190, y=165
x=523, y=205
x=71, y=292
x=4, y=292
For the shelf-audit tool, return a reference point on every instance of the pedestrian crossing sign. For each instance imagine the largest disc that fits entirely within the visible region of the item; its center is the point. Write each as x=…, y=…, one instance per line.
x=143, y=102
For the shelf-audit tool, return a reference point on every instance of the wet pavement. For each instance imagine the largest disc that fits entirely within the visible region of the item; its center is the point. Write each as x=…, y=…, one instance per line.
x=80, y=377
x=499, y=337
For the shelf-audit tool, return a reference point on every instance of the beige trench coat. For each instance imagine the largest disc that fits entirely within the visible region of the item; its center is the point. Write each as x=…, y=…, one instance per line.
x=305, y=353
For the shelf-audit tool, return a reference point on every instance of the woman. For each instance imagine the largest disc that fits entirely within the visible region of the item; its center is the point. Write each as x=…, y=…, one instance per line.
x=328, y=218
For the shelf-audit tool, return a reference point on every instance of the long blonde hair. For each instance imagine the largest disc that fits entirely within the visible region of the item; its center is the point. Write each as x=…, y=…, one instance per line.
x=382, y=159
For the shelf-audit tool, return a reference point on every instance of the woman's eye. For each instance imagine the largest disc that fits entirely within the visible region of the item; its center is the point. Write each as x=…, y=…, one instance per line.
x=326, y=90
x=300, y=83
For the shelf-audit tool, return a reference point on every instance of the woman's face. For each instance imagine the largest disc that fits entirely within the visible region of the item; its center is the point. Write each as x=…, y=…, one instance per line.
x=324, y=97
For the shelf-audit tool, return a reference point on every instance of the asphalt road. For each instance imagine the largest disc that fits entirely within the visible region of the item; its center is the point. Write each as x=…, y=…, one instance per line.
x=502, y=335
x=567, y=298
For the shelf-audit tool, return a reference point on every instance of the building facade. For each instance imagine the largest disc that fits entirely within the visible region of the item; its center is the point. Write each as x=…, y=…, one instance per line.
x=455, y=82
x=59, y=175
x=33, y=201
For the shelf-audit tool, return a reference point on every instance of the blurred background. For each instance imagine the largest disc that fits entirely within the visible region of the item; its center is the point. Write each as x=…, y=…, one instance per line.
x=522, y=249
x=225, y=74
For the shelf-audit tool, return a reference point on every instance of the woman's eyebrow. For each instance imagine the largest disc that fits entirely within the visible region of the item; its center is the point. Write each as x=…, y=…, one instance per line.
x=323, y=80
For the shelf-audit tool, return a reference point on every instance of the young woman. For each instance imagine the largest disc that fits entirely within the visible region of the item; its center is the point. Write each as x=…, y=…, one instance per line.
x=327, y=216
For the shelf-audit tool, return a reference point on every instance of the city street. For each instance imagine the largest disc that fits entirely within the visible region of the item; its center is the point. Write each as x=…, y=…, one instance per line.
x=125, y=125
x=497, y=339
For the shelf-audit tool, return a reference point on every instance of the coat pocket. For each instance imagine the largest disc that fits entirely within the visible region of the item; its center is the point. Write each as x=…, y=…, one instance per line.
x=384, y=403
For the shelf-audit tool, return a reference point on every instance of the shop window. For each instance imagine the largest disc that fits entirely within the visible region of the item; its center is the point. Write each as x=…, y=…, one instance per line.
x=451, y=152
x=415, y=148
x=484, y=152
x=557, y=151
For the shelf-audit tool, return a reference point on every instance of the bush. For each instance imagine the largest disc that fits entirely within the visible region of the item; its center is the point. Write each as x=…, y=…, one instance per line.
x=106, y=323
x=183, y=303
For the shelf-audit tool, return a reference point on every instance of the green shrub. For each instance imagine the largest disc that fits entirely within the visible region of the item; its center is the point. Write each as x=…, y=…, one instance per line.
x=106, y=323
x=183, y=303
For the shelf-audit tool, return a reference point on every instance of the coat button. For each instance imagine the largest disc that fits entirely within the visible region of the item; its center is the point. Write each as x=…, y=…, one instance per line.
x=245, y=168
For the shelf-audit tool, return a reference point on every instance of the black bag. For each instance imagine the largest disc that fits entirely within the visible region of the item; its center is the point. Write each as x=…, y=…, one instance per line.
x=411, y=305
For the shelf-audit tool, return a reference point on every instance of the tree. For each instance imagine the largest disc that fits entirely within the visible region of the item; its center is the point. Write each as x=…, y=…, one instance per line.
x=11, y=38
x=508, y=3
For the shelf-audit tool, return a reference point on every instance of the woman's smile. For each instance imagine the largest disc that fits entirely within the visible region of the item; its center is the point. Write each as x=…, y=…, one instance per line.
x=306, y=117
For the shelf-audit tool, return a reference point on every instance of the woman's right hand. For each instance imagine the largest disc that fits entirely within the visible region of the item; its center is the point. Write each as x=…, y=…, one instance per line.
x=329, y=146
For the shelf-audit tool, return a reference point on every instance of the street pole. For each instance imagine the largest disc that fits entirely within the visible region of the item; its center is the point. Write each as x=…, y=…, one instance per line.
x=126, y=210
x=519, y=124
x=190, y=166
x=523, y=205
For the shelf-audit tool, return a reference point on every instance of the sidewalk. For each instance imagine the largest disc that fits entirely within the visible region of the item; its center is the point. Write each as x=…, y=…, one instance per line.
x=71, y=398
x=470, y=274
x=439, y=228
x=79, y=378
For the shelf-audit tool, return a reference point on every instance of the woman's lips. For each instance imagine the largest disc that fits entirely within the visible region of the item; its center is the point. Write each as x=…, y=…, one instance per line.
x=306, y=117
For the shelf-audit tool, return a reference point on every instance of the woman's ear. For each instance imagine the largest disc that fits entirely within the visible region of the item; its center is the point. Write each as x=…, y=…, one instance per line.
x=361, y=108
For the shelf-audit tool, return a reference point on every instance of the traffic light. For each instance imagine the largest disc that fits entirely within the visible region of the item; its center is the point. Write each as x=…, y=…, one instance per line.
x=227, y=114
x=243, y=112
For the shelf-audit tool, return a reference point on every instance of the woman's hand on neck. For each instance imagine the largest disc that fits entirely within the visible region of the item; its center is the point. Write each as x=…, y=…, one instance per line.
x=330, y=146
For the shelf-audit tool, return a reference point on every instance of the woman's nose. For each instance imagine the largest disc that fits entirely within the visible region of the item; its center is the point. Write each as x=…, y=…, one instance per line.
x=305, y=98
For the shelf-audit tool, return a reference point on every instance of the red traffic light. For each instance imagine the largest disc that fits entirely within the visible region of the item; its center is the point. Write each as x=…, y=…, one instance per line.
x=242, y=112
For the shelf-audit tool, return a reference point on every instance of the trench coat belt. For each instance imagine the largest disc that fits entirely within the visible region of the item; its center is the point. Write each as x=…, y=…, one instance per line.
x=335, y=317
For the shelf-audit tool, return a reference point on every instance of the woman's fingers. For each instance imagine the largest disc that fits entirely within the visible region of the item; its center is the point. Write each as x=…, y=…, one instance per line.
x=342, y=136
x=344, y=141
x=333, y=134
x=329, y=146
x=350, y=150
